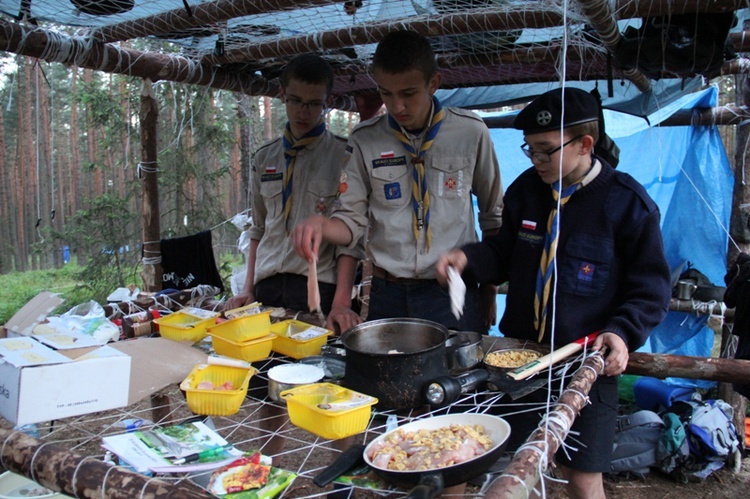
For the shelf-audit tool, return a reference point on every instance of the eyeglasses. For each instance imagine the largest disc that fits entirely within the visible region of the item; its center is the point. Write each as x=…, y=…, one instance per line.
x=315, y=107
x=545, y=156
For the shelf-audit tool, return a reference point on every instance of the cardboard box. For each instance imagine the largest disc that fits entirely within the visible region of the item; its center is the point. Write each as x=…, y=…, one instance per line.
x=40, y=384
x=31, y=314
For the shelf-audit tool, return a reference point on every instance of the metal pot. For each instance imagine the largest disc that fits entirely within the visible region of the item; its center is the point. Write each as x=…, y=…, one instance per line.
x=464, y=350
x=288, y=376
x=392, y=359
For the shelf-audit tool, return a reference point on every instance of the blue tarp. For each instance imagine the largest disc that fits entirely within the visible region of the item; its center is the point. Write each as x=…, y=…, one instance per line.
x=686, y=171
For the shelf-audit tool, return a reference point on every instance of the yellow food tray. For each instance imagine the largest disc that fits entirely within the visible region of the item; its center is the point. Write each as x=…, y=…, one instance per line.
x=243, y=328
x=297, y=339
x=216, y=402
x=185, y=327
x=328, y=410
x=249, y=351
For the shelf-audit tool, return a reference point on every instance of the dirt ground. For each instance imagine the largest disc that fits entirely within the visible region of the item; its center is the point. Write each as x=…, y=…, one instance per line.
x=723, y=483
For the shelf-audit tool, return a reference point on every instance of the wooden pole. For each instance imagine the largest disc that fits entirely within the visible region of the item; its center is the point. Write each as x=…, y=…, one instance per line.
x=77, y=51
x=55, y=467
x=604, y=23
x=524, y=16
x=739, y=230
x=207, y=13
x=148, y=171
x=709, y=368
x=723, y=115
x=522, y=474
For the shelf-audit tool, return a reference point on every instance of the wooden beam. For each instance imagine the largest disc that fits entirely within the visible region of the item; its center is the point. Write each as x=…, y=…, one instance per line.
x=148, y=171
x=361, y=34
x=500, y=19
x=723, y=115
x=52, y=465
x=76, y=51
x=603, y=21
x=709, y=368
x=523, y=472
x=209, y=13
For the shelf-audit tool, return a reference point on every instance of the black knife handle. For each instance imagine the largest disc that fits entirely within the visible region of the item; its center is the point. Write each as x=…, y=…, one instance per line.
x=347, y=460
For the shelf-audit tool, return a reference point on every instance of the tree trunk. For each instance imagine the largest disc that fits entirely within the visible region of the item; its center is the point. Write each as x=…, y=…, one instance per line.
x=52, y=465
x=523, y=472
x=245, y=114
x=740, y=234
x=46, y=173
x=267, y=119
x=5, y=216
x=23, y=165
x=149, y=117
x=77, y=186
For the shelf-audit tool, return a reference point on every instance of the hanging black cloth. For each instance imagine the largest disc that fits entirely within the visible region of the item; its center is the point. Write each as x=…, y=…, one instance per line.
x=737, y=295
x=189, y=261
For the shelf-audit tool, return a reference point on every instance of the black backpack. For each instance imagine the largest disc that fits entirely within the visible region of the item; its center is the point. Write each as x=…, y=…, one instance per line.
x=681, y=45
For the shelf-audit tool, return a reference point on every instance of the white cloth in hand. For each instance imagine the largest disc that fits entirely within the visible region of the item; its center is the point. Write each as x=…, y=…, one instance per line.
x=457, y=292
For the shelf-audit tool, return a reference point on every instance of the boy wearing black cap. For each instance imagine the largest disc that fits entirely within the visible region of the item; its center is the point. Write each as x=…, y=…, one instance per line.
x=581, y=249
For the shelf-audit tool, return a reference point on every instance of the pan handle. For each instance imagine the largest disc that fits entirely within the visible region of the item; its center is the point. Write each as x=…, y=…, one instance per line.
x=347, y=460
x=430, y=485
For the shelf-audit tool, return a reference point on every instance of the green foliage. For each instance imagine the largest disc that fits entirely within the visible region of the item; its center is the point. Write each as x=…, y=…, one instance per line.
x=17, y=288
x=105, y=233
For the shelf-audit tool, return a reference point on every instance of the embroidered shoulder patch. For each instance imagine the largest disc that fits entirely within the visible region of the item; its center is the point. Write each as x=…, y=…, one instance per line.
x=586, y=271
x=392, y=191
x=381, y=162
x=270, y=177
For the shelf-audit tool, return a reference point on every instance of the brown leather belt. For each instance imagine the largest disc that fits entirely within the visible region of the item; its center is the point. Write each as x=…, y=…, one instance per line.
x=385, y=275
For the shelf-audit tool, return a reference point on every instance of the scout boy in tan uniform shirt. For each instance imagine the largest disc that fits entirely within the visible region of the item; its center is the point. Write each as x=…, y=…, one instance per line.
x=410, y=178
x=293, y=177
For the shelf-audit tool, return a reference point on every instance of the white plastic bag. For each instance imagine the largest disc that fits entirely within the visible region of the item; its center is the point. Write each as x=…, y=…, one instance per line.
x=87, y=318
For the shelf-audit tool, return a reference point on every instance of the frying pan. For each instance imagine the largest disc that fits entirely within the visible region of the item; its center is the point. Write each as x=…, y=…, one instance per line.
x=428, y=483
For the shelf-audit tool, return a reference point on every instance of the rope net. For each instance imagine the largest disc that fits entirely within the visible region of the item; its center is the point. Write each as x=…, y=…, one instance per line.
x=477, y=42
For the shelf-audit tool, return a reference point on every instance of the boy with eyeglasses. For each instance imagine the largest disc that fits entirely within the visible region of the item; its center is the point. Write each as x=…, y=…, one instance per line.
x=293, y=177
x=601, y=269
x=410, y=180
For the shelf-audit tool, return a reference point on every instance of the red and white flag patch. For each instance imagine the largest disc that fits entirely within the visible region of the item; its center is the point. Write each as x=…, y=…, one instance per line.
x=387, y=154
x=270, y=169
x=528, y=225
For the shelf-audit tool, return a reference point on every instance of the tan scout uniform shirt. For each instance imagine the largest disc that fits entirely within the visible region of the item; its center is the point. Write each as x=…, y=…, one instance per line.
x=379, y=181
x=317, y=174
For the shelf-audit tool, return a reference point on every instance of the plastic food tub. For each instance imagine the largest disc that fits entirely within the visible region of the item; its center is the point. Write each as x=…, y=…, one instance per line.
x=249, y=351
x=297, y=339
x=244, y=328
x=222, y=402
x=328, y=410
x=186, y=326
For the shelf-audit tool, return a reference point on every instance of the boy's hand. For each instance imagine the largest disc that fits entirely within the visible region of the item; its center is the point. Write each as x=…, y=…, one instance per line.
x=342, y=318
x=239, y=300
x=456, y=259
x=307, y=236
x=616, y=360
x=488, y=302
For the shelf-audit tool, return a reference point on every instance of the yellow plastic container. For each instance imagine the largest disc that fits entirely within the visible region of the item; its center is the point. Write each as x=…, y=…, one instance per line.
x=249, y=351
x=251, y=309
x=216, y=402
x=185, y=327
x=328, y=410
x=243, y=328
x=297, y=339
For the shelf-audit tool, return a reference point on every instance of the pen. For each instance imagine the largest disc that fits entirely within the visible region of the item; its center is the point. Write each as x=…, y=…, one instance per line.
x=199, y=456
